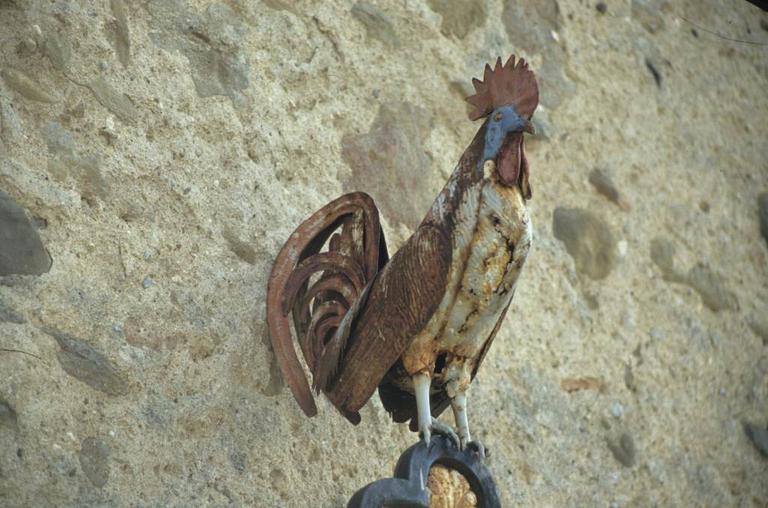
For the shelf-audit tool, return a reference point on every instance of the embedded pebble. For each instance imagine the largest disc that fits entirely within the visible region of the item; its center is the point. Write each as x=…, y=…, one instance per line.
x=601, y=7
x=121, y=37
x=629, y=378
x=649, y=13
x=571, y=385
x=27, y=86
x=21, y=250
x=762, y=211
x=623, y=450
x=588, y=239
x=8, y=416
x=59, y=140
x=710, y=285
x=94, y=461
x=58, y=50
x=663, y=256
x=460, y=17
x=10, y=125
x=760, y=327
x=377, y=24
x=8, y=315
x=655, y=71
x=83, y=362
x=623, y=247
x=211, y=42
x=240, y=248
x=759, y=437
x=86, y=169
x=116, y=102
x=712, y=288
x=605, y=186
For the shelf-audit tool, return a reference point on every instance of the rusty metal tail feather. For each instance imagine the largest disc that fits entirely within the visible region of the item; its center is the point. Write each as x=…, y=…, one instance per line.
x=320, y=288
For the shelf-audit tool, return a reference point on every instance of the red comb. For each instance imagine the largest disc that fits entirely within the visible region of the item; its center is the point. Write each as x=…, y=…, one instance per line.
x=508, y=84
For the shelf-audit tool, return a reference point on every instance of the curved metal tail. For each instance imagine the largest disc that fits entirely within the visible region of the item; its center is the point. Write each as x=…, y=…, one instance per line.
x=321, y=288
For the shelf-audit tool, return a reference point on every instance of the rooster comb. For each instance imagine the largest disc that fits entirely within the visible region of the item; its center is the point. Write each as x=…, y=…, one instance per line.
x=508, y=84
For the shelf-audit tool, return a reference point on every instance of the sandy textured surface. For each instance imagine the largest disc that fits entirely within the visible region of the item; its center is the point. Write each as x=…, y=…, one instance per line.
x=162, y=152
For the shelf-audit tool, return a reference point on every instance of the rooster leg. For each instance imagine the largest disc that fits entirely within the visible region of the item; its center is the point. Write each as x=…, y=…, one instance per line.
x=427, y=424
x=459, y=406
x=421, y=384
x=459, y=374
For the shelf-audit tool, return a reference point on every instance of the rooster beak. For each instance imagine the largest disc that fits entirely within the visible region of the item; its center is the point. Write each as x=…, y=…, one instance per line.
x=529, y=128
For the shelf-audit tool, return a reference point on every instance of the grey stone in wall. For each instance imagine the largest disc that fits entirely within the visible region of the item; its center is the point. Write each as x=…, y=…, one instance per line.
x=21, y=250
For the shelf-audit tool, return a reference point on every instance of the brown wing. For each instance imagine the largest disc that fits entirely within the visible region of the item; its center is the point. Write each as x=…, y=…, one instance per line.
x=401, y=302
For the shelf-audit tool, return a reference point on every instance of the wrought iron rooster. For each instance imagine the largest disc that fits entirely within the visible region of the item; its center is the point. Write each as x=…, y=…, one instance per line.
x=416, y=326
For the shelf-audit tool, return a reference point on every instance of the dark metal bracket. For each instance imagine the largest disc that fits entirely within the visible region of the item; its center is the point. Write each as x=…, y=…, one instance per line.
x=408, y=487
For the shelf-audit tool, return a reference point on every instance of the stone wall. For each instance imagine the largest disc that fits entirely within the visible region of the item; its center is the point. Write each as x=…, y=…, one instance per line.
x=154, y=155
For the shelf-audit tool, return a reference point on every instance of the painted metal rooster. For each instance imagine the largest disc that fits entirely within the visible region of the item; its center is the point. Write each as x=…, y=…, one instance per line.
x=417, y=325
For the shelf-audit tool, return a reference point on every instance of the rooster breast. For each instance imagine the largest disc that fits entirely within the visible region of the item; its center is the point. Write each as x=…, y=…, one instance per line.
x=491, y=238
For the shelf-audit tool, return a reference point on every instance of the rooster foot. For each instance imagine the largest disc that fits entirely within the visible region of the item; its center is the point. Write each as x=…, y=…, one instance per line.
x=478, y=448
x=438, y=427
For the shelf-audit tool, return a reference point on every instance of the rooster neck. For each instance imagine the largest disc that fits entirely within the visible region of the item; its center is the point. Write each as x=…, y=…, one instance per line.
x=465, y=179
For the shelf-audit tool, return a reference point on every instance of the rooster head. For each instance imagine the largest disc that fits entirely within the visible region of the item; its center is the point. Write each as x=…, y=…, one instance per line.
x=508, y=95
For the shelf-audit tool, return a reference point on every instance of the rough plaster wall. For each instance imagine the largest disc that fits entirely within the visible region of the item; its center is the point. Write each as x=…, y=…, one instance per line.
x=164, y=150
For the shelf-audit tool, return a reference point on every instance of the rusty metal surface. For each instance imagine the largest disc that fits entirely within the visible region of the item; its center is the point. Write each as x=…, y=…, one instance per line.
x=509, y=84
x=360, y=319
x=318, y=306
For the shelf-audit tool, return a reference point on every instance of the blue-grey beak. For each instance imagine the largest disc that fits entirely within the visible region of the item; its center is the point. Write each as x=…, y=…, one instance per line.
x=529, y=128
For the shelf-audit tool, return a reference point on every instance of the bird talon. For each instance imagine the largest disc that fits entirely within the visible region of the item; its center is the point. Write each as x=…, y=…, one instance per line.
x=444, y=430
x=479, y=449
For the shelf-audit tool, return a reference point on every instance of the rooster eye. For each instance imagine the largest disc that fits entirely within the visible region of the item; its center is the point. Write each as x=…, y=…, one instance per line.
x=497, y=116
